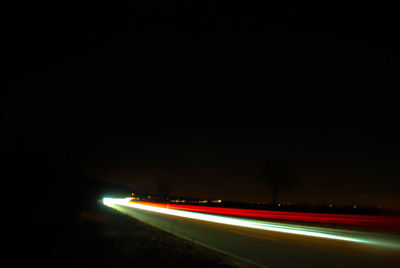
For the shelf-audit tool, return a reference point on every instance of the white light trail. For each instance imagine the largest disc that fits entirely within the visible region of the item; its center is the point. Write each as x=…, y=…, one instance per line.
x=249, y=223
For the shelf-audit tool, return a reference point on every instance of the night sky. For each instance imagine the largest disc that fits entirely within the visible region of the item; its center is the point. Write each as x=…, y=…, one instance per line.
x=199, y=97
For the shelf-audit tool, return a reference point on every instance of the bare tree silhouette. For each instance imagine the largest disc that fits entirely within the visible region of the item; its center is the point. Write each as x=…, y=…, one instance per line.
x=279, y=178
x=164, y=191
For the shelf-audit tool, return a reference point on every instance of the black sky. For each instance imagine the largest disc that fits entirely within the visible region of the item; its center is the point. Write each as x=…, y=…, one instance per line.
x=198, y=96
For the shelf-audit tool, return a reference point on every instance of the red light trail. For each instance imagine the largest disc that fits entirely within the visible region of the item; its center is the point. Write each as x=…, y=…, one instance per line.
x=375, y=221
x=127, y=205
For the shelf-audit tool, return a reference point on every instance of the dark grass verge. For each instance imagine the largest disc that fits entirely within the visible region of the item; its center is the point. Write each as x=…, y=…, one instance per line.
x=102, y=237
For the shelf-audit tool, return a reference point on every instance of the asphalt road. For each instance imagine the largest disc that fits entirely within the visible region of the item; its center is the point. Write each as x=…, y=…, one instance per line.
x=270, y=249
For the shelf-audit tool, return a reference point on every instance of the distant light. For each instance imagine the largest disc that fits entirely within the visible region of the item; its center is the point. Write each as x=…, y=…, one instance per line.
x=354, y=206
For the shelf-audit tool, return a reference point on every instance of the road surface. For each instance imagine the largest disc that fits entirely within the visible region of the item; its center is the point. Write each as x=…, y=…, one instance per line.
x=265, y=248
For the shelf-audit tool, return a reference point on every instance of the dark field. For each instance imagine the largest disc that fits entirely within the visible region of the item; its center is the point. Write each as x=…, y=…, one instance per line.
x=101, y=237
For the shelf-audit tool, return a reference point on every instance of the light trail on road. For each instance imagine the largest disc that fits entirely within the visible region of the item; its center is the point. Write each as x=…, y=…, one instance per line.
x=318, y=232
x=374, y=221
